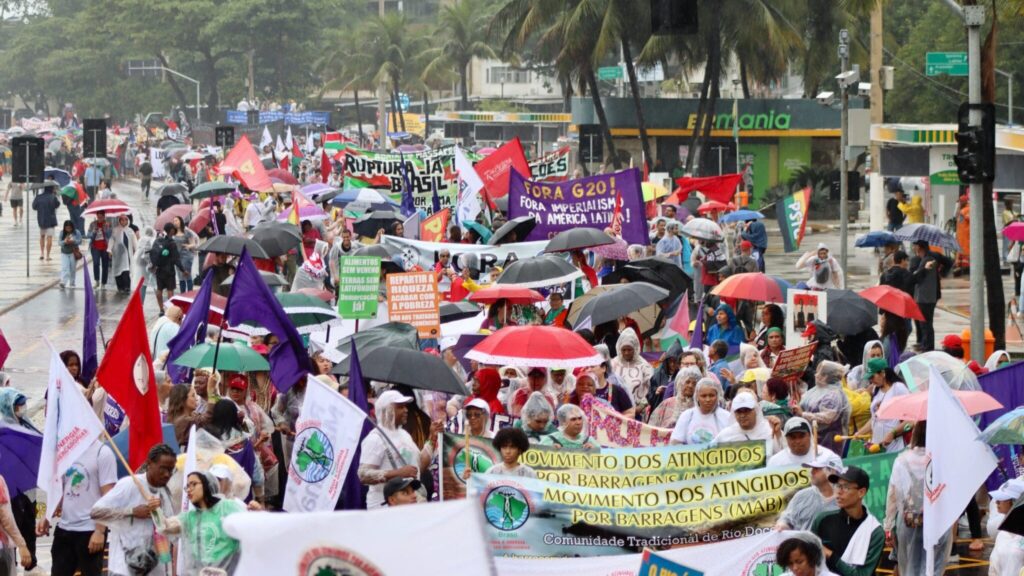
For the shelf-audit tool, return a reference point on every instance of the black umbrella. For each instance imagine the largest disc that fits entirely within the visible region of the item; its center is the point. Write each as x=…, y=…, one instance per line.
x=539, y=271
x=501, y=204
x=269, y=163
x=173, y=190
x=656, y=270
x=616, y=301
x=368, y=224
x=277, y=238
x=412, y=368
x=383, y=250
x=849, y=313
x=269, y=278
x=393, y=334
x=515, y=230
x=452, y=311
x=166, y=202
x=233, y=245
x=577, y=239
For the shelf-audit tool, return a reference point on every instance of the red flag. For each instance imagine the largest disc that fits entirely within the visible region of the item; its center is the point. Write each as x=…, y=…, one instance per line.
x=171, y=124
x=432, y=229
x=495, y=169
x=127, y=376
x=325, y=166
x=680, y=323
x=243, y=164
x=296, y=153
x=720, y=188
x=285, y=163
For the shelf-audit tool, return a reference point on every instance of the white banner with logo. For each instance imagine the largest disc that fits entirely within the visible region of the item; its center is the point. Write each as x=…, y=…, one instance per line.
x=480, y=256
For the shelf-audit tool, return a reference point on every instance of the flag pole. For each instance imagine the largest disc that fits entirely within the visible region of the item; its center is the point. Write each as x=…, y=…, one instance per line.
x=814, y=438
x=466, y=448
x=121, y=457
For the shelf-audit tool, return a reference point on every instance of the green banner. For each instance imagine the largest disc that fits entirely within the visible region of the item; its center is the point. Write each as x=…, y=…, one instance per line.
x=879, y=469
x=358, y=286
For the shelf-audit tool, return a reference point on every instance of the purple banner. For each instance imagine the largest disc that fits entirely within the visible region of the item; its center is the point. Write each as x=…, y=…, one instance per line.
x=587, y=202
x=1002, y=384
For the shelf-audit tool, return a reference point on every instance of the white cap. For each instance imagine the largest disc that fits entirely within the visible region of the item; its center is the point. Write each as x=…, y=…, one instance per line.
x=744, y=401
x=478, y=403
x=221, y=472
x=390, y=397
x=1010, y=490
x=827, y=461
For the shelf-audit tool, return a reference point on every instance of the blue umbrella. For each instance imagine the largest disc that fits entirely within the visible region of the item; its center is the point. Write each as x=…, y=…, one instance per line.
x=121, y=441
x=876, y=239
x=19, y=458
x=480, y=229
x=364, y=195
x=740, y=216
x=783, y=285
x=57, y=175
x=933, y=235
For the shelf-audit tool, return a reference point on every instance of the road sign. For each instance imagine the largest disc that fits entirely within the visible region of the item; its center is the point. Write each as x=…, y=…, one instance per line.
x=609, y=73
x=949, y=63
x=403, y=101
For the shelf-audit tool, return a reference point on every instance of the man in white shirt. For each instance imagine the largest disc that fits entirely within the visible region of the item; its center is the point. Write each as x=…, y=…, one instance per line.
x=798, y=445
x=165, y=328
x=77, y=539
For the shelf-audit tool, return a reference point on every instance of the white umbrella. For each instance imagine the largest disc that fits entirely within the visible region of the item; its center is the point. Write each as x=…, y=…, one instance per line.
x=703, y=229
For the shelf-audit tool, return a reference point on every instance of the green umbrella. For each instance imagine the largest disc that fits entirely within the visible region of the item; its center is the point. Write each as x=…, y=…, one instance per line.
x=485, y=234
x=1007, y=429
x=232, y=357
x=308, y=314
x=70, y=191
x=209, y=189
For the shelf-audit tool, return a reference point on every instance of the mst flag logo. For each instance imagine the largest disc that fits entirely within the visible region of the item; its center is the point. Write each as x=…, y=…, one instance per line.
x=932, y=488
x=334, y=561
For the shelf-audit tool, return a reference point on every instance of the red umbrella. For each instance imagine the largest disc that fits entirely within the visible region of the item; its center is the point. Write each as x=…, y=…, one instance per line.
x=217, y=304
x=201, y=220
x=514, y=294
x=325, y=295
x=283, y=175
x=543, y=346
x=750, y=286
x=712, y=206
x=893, y=300
x=914, y=406
x=182, y=211
x=110, y=207
x=1014, y=232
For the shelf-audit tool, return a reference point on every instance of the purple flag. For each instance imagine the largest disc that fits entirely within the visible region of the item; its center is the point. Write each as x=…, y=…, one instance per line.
x=352, y=497
x=408, y=206
x=20, y=449
x=250, y=300
x=90, y=358
x=1002, y=384
x=435, y=200
x=697, y=340
x=893, y=354
x=191, y=332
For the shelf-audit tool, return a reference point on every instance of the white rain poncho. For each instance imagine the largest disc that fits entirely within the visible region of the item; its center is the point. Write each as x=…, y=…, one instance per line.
x=696, y=427
x=825, y=273
x=812, y=539
x=635, y=375
x=761, y=430
x=207, y=544
x=379, y=455
x=126, y=532
x=667, y=413
x=826, y=404
x=903, y=513
x=857, y=379
x=537, y=406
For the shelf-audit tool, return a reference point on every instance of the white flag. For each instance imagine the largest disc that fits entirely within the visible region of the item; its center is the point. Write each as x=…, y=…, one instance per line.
x=266, y=139
x=288, y=140
x=411, y=226
x=310, y=144
x=190, y=467
x=279, y=148
x=470, y=186
x=959, y=460
x=327, y=434
x=71, y=428
x=429, y=538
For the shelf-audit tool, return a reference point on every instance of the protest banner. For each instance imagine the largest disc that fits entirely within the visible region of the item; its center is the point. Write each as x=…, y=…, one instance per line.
x=433, y=228
x=551, y=167
x=533, y=517
x=791, y=363
x=603, y=467
x=657, y=565
x=803, y=307
x=480, y=256
x=425, y=171
x=879, y=469
x=412, y=299
x=358, y=286
x=610, y=428
x=587, y=202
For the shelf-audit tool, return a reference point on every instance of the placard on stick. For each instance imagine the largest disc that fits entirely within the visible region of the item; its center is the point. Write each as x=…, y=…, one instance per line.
x=412, y=299
x=358, y=286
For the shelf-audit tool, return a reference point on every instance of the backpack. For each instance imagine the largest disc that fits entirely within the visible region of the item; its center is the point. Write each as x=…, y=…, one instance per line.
x=160, y=253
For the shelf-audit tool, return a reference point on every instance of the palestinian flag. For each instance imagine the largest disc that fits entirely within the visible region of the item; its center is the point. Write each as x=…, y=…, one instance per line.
x=379, y=181
x=296, y=153
x=791, y=212
x=334, y=141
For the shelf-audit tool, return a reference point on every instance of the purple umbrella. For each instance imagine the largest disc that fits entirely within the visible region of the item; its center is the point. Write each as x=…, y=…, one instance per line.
x=465, y=343
x=313, y=190
x=19, y=458
x=619, y=250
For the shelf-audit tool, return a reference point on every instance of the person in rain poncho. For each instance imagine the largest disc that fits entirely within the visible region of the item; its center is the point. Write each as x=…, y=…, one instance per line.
x=750, y=424
x=667, y=413
x=536, y=418
x=143, y=267
x=886, y=433
x=997, y=360
x=857, y=379
x=664, y=375
x=512, y=379
x=207, y=544
x=1007, y=558
x=572, y=430
x=477, y=416
x=632, y=370
x=396, y=454
x=904, y=510
x=826, y=404
x=232, y=226
x=700, y=424
x=823, y=267
x=726, y=327
x=561, y=384
x=312, y=272
x=802, y=555
x=122, y=247
x=819, y=497
x=488, y=384
x=536, y=381
x=742, y=369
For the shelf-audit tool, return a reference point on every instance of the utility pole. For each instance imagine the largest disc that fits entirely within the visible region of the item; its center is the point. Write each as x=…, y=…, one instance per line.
x=876, y=186
x=974, y=17
x=844, y=201
x=382, y=116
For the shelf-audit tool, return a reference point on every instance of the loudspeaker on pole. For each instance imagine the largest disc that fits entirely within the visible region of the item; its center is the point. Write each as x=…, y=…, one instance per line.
x=94, y=138
x=27, y=158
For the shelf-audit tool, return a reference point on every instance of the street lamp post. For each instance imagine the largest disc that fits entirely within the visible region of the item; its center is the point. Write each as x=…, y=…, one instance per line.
x=176, y=73
x=844, y=217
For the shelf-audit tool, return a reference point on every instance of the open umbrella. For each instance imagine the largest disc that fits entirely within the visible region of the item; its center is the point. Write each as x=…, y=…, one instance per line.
x=876, y=239
x=703, y=229
x=19, y=458
x=232, y=357
x=893, y=300
x=933, y=235
x=175, y=189
x=609, y=302
x=363, y=196
x=539, y=271
x=368, y=224
x=391, y=335
x=185, y=300
x=183, y=211
x=233, y=245
x=617, y=250
x=283, y=175
x=1007, y=429
x=657, y=270
x=740, y=216
x=577, y=239
x=514, y=295
x=277, y=238
x=754, y=286
x=411, y=368
x=543, y=346
x=480, y=229
x=269, y=278
x=111, y=207
x=57, y=175
x=200, y=221
x=712, y=206
x=849, y=313
x=916, y=371
x=318, y=293
x=914, y=407
x=515, y=230
x=452, y=311
x=210, y=189
x=1014, y=232
x=385, y=251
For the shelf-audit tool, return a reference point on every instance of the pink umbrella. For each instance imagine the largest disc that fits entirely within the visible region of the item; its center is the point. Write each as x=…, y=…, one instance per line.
x=618, y=250
x=183, y=211
x=914, y=407
x=1014, y=232
x=111, y=207
x=283, y=175
x=202, y=220
x=487, y=151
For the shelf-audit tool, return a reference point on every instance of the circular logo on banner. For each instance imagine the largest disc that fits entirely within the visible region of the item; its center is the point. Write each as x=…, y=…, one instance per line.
x=506, y=508
x=479, y=461
x=763, y=564
x=140, y=374
x=314, y=455
x=332, y=561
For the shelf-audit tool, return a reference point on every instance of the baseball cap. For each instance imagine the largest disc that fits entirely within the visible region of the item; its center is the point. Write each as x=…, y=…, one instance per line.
x=478, y=403
x=828, y=461
x=390, y=397
x=746, y=244
x=537, y=370
x=744, y=401
x=221, y=472
x=952, y=341
x=796, y=424
x=874, y=366
x=238, y=382
x=396, y=485
x=1010, y=490
x=852, y=474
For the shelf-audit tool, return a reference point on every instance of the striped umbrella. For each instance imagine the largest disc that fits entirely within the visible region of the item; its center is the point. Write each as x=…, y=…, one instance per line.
x=933, y=235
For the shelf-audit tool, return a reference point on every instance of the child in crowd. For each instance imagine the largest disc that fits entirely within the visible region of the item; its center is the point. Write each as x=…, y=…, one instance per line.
x=512, y=443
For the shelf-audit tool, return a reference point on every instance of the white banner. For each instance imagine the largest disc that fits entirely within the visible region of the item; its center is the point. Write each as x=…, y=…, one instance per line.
x=481, y=256
x=435, y=538
x=156, y=160
x=71, y=427
x=327, y=434
x=470, y=186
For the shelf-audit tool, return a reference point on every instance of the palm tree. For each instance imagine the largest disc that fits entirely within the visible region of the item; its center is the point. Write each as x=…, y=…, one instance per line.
x=344, y=68
x=390, y=47
x=463, y=26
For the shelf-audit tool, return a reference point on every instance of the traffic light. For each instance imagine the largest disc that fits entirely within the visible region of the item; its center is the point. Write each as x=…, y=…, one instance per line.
x=976, y=145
